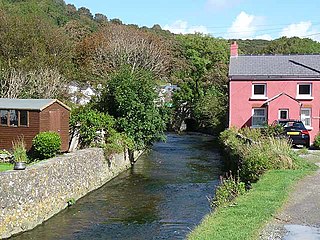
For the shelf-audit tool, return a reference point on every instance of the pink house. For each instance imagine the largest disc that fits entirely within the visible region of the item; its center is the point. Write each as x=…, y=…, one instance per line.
x=264, y=88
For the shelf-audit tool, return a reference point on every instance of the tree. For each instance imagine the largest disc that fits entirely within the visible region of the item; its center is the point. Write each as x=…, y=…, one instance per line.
x=211, y=109
x=117, y=45
x=293, y=45
x=207, y=60
x=41, y=83
x=129, y=97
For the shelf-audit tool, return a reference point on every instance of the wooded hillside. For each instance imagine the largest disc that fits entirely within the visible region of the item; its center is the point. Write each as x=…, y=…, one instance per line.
x=46, y=44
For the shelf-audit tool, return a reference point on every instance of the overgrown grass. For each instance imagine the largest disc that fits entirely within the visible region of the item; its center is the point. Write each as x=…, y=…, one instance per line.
x=250, y=212
x=5, y=167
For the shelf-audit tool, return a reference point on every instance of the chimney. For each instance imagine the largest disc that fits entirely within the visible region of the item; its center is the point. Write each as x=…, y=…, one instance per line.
x=234, y=49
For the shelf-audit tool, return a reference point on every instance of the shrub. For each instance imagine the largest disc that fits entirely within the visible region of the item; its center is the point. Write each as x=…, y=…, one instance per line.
x=228, y=190
x=258, y=155
x=46, y=144
x=90, y=123
x=19, y=150
x=316, y=142
x=117, y=142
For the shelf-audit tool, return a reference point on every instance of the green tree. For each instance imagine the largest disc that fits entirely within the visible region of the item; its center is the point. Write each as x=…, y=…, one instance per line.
x=207, y=58
x=129, y=98
x=293, y=45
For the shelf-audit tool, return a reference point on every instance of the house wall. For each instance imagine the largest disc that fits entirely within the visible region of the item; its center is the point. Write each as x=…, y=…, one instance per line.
x=9, y=134
x=64, y=130
x=241, y=104
x=32, y=196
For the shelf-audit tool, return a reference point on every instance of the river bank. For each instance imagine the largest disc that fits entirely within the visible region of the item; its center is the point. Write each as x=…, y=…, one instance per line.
x=164, y=196
x=299, y=218
x=32, y=196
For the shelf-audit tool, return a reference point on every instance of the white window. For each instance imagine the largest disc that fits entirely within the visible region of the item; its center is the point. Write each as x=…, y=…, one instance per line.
x=259, y=117
x=259, y=90
x=306, y=117
x=304, y=90
x=283, y=113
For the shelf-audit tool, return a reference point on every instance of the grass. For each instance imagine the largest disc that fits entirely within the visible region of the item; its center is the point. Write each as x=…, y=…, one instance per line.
x=250, y=212
x=5, y=167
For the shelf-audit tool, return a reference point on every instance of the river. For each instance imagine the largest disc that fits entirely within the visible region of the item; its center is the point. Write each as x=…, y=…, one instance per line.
x=164, y=196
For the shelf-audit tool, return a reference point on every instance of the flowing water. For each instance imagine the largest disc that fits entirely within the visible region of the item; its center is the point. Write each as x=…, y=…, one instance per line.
x=164, y=196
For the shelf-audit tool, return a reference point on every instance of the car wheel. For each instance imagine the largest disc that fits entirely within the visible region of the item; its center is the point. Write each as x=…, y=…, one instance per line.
x=307, y=144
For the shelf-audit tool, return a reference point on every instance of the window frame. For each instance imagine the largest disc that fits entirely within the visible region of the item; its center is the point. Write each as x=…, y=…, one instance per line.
x=308, y=117
x=18, y=118
x=279, y=113
x=253, y=116
x=304, y=96
x=259, y=96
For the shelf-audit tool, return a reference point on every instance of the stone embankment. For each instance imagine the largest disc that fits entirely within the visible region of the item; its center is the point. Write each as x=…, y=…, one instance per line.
x=31, y=196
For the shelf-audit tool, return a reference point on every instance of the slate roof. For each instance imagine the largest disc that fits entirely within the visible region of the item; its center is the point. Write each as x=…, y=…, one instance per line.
x=28, y=104
x=274, y=66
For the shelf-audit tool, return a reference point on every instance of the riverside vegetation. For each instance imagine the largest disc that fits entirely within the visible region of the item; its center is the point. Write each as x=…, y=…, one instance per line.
x=264, y=163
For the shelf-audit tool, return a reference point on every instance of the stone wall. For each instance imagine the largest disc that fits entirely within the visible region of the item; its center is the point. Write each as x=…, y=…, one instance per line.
x=31, y=196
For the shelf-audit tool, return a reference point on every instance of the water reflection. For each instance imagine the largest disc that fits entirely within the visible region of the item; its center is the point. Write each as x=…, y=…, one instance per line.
x=163, y=197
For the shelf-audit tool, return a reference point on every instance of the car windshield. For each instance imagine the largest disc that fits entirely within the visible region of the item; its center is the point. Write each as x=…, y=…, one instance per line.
x=298, y=125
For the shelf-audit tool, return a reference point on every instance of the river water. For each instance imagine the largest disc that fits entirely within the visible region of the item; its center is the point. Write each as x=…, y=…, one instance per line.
x=164, y=196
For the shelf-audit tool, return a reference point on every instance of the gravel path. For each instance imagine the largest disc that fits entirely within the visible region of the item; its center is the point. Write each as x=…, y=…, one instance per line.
x=300, y=218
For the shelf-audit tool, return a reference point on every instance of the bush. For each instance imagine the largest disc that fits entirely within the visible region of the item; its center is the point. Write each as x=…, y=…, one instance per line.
x=253, y=153
x=46, y=144
x=316, y=142
x=90, y=124
x=229, y=188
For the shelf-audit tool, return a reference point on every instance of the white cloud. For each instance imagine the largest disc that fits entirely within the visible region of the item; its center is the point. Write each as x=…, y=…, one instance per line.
x=244, y=26
x=181, y=26
x=301, y=29
x=298, y=30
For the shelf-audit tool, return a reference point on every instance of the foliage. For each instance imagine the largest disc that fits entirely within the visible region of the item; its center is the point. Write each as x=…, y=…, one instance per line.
x=251, y=210
x=71, y=202
x=316, y=142
x=211, y=109
x=117, y=143
x=202, y=81
x=130, y=99
x=293, y=45
x=3, y=151
x=253, y=153
x=41, y=83
x=116, y=45
x=303, y=151
x=274, y=130
x=90, y=124
x=5, y=167
x=229, y=188
x=250, y=46
x=46, y=144
x=19, y=150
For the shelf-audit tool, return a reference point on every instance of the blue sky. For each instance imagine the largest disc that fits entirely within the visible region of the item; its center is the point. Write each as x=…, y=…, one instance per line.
x=247, y=19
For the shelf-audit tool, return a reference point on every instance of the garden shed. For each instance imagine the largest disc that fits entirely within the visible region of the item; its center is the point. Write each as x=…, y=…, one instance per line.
x=28, y=117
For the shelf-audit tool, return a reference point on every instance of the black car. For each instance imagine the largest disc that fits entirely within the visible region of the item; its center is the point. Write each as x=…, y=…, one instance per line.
x=296, y=131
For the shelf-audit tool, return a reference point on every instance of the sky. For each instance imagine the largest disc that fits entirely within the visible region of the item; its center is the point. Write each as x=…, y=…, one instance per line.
x=245, y=19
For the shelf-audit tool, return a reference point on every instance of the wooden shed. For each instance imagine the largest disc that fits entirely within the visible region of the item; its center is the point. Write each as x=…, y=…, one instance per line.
x=28, y=117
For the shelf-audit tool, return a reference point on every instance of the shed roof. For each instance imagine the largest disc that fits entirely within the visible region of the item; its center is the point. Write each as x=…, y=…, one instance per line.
x=28, y=104
x=275, y=66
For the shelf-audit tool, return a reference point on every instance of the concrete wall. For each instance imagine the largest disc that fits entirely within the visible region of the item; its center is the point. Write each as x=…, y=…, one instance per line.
x=31, y=196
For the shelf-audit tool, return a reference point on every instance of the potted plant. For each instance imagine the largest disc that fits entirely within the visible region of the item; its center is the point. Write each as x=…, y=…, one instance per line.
x=19, y=154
